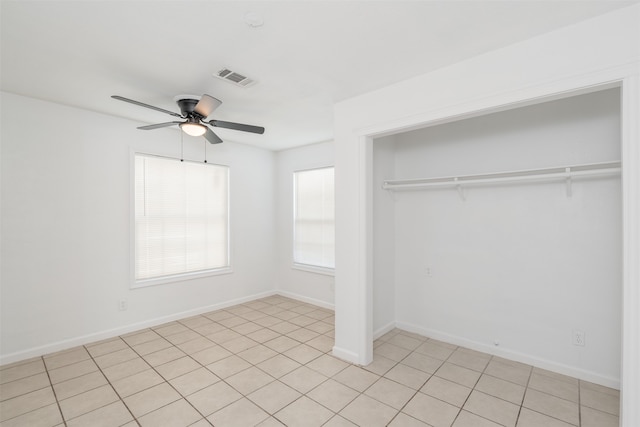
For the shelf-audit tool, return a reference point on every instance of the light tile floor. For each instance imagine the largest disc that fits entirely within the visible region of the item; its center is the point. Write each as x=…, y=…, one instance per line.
x=268, y=363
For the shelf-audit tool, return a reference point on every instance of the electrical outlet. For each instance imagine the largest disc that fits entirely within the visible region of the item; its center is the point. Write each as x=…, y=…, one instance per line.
x=123, y=305
x=428, y=272
x=578, y=338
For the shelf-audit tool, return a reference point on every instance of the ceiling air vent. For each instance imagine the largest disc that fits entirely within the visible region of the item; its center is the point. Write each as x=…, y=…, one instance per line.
x=235, y=78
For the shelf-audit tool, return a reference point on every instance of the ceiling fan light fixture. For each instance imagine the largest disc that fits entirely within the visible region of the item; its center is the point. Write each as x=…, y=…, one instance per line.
x=193, y=129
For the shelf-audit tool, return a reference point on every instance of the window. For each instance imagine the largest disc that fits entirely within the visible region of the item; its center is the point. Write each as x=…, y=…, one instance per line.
x=181, y=218
x=314, y=223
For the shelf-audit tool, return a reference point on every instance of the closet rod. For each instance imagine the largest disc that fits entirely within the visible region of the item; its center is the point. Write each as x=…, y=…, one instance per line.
x=547, y=174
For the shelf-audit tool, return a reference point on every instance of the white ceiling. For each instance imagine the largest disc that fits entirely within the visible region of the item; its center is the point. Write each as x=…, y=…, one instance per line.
x=307, y=55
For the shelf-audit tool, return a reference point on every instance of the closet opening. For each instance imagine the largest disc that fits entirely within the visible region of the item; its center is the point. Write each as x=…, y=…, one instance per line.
x=503, y=232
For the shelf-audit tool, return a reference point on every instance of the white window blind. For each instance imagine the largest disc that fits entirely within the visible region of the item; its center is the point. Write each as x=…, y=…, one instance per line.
x=181, y=217
x=314, y=219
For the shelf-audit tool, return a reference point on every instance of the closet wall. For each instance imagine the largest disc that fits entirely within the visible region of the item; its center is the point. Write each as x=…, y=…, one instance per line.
x=514, y=269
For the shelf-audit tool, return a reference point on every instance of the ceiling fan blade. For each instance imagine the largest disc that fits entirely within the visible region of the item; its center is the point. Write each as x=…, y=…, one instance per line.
x=141, y=104
x=236, y=126
x=207, y=105
x=212, y=137
x=159, y=125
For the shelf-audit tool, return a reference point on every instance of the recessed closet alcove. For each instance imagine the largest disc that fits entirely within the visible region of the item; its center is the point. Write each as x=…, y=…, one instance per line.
x=512, y=267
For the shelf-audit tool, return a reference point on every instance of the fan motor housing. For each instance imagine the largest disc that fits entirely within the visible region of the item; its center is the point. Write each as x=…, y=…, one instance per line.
x=187, y=105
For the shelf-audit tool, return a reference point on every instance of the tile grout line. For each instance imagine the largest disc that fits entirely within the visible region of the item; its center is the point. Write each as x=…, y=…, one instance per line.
x=200, y=364
x=472, y=388
x=55, y=395
x=560, y=398
x=27, y=392
x=278, y=379
x=111, y=385
x=398, y=363
x=50, y=385
x=301, y=365
x=580, y=404
x=188, y=355
x=233, y=354
x=419, y=388
x=325, y=381
x=174, y=345
x=483, y=372
x=286, y=319
x=165, y=381
x=526, y=387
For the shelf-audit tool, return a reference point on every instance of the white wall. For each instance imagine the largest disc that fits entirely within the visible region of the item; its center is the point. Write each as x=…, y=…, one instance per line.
x=308, y=286
x=520, y=264
x=594, y=52
x=65, y=227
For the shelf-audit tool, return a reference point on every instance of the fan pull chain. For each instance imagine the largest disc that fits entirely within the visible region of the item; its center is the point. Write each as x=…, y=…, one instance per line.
x=205, y=150
x=181, y=146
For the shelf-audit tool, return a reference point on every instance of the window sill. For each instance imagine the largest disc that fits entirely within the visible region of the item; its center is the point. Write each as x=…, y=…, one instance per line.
x=314, y=269
x=136, y=284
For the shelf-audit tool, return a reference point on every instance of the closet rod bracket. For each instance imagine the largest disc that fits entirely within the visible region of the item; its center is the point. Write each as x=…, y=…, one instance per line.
x=568, y=182
x=460, y=190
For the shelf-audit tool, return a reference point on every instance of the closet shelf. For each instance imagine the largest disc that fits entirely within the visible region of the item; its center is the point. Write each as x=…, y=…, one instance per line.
x=547, y=174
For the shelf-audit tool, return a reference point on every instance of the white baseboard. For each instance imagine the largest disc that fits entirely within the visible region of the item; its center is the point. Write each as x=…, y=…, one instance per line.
x=111, y=333
x=513, y=355
x=346, y=355
x=384, y=329
x=303, y=298
x=337, y=351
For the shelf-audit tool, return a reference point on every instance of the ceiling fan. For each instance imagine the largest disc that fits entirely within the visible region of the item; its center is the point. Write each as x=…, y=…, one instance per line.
x=194, y=111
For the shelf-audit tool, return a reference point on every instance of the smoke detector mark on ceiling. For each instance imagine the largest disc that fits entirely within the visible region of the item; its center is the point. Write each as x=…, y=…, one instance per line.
x=234, y=78
x=253, y=20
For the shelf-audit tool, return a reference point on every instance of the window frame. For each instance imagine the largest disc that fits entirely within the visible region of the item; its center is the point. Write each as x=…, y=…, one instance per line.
x=179, y=277
x=328, y=271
